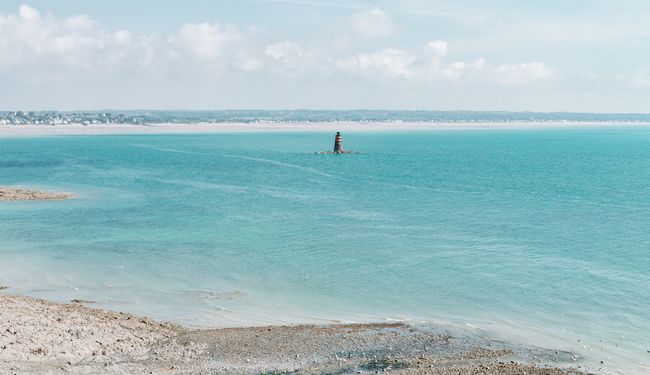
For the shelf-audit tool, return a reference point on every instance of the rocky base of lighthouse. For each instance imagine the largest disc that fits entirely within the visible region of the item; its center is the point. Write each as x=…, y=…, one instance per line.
x=339, y=152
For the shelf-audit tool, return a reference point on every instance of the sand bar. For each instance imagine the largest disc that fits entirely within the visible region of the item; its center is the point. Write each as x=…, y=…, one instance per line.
x=37, y=336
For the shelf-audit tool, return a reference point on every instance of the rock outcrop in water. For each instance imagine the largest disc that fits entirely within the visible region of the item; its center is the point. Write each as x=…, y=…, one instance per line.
x=9, y=194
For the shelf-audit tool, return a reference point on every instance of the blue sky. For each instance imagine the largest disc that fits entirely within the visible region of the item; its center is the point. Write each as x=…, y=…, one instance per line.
x=572, y=55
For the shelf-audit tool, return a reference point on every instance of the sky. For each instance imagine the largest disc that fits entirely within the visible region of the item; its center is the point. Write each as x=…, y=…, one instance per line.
x=510, y=55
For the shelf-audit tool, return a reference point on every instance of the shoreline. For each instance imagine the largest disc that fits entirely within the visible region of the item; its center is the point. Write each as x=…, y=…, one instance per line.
x=118, y=129
x=41, y=336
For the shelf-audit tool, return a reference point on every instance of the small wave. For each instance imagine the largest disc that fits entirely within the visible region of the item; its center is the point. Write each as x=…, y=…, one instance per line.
x=197, y=184
x=215, y=295
x=165, y=149
x=282, y=164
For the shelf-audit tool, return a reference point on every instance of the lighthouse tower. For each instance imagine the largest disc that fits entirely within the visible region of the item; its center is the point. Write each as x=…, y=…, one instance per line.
x=338, y=143
x=338, y=147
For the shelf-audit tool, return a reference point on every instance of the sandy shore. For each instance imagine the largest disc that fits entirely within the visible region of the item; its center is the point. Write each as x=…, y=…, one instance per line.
x=77, y=129
x=43, y=337
x=13, y=194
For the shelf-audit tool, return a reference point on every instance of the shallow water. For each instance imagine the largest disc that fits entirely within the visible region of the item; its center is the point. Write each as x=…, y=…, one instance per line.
x=540, y=236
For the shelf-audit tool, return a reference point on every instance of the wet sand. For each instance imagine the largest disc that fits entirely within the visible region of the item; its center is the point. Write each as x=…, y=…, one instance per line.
x=37, y=336
x=12, y=194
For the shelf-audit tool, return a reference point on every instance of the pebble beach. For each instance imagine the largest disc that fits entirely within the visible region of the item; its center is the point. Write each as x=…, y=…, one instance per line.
x=44, y=337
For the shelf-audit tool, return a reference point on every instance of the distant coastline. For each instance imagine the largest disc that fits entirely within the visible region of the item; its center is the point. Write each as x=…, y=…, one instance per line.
x=155, y=117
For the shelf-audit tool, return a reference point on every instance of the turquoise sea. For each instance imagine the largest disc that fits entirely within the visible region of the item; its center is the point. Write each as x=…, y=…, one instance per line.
x=536, y=236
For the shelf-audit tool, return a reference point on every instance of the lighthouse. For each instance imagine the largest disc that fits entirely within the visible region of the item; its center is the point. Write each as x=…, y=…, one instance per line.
x=338, y=143
x=338, y=147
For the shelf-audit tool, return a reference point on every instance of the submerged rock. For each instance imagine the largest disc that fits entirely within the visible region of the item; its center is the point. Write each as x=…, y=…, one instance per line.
x=81, y=301
x=336, y=152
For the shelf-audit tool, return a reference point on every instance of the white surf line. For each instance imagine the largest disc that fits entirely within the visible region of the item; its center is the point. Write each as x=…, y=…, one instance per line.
x=207, y=185
x=203, y=185
x=166, y=149
x=285, y=165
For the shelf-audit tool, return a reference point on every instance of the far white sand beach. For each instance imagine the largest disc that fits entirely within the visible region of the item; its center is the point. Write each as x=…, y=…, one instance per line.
x=355, y=126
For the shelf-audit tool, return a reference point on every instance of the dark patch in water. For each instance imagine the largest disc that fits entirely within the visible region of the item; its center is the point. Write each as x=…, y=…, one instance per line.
x=81, y=301
x=382, y=364
x=375, y=365
x=228, y=295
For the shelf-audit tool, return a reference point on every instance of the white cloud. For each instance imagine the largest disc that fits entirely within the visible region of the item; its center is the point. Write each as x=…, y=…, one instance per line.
x=389, y=62
x=523, y=73
x=80, y=23
x=399, y=64
x=639, y=79
x=41, y=45
x=373, y=23
x=37, y=44
x=122, y=36
x=290, y=58
x=44, y=43
x=462, y=69
x=250, y=64
x=212, y=49
x=437, y=50
x=206, y=40
x=287, y=52
x=28, y=13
